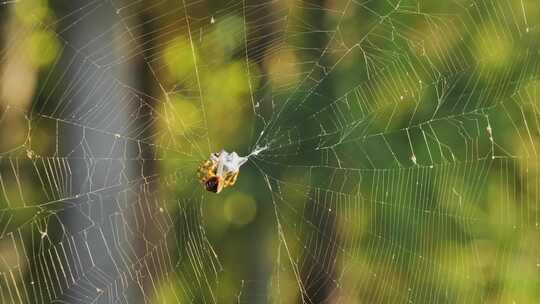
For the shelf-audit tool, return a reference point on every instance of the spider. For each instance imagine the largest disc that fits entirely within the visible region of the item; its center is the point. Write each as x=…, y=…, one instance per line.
x=220, y=171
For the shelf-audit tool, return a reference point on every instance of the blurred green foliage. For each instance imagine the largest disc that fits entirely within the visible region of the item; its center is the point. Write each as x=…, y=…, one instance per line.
x=420, y=185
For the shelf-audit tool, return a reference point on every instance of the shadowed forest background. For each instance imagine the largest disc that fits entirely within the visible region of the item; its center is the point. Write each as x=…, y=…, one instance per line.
x=398, y=143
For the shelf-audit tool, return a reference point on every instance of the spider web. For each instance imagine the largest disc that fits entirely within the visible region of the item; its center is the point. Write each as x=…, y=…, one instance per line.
x=397, y=164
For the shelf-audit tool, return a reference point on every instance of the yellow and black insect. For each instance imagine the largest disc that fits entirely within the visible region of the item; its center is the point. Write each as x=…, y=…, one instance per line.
x=220, y=171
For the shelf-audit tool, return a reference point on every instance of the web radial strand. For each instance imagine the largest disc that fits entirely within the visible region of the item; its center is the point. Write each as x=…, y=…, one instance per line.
x=392, y=151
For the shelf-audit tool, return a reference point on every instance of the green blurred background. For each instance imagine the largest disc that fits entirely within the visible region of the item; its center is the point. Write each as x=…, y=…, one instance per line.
x=399, y=165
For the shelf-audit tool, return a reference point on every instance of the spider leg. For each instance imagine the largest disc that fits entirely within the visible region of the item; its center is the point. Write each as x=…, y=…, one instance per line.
x=231, y=178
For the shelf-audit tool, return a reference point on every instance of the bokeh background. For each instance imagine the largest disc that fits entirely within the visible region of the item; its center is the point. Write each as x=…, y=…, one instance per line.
x=399, y=160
